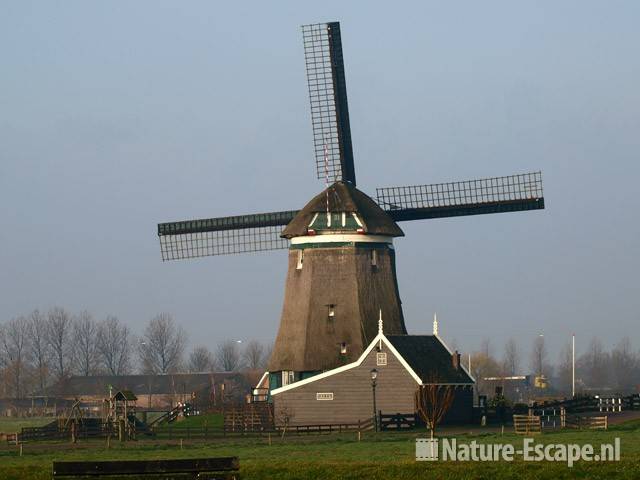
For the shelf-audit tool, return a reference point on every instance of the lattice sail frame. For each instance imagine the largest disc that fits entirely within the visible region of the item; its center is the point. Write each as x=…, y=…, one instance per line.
x=527, y=186
x=328, y=98
x=224, y=235
x=224, y=242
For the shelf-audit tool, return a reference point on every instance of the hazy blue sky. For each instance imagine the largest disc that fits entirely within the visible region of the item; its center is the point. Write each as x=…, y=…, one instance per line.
x=115, y=116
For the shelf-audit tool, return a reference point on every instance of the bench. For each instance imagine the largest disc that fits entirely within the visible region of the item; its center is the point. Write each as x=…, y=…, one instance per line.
x=200, y=468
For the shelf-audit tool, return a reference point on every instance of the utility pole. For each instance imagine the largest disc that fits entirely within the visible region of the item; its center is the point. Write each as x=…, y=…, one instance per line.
x=573, y=366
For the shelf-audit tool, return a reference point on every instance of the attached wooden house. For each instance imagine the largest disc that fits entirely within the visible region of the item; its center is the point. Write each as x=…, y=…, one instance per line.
x=345, y=394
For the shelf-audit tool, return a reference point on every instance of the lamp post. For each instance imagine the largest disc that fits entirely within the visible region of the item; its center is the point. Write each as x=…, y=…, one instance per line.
x=374, y=376
x=573, y=366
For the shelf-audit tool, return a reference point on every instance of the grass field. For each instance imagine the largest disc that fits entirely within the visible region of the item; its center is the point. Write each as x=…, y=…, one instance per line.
x=213, y=421
x=377, y=456
x=12, y=425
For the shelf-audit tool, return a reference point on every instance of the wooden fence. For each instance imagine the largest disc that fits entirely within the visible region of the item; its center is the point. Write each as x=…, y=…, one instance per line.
x=397, y=421
x=360, y=426
x=591, y=423
x=527, y=424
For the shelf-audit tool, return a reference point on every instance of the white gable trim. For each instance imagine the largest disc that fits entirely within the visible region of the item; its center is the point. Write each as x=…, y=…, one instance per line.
x=379, y=338
x=265, y=374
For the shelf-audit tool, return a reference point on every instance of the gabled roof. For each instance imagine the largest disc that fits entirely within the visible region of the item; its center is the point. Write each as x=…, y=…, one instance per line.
x=429, y=358
x=344, y=197
x=425, y=354
x=125, y=395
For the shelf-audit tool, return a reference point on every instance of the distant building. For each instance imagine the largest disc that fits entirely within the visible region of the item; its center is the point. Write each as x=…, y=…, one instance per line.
x=158, y=391
x=33, y=406
x=345, y=394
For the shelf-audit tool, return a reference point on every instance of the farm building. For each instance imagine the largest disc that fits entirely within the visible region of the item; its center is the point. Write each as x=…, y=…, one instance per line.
x=158, y=391
x=400, y=364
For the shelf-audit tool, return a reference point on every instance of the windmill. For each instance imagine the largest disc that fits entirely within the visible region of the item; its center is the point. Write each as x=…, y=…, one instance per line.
x=341, y=256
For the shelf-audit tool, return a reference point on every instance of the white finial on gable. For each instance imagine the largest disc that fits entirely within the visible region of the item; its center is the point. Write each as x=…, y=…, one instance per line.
x=435, y=324
x=380, y=323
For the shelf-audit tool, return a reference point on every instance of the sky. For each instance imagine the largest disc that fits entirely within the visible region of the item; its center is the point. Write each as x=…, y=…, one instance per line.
x=115, y=116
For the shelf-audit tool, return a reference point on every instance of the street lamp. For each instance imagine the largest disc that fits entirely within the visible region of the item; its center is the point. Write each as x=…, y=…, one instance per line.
x=374, y=376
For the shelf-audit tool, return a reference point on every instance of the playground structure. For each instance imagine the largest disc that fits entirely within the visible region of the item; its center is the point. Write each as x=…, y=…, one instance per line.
x=120, y=419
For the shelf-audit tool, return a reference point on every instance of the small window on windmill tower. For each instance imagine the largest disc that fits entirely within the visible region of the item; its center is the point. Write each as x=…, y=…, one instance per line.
x=331, y=312
x=300, y=259
x=343, y=348
x=374, y=259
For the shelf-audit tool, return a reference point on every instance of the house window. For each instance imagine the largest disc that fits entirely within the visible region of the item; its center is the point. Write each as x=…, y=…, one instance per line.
x=381, y=359
x=288, y=377
x=300, y=258
x=324, y=396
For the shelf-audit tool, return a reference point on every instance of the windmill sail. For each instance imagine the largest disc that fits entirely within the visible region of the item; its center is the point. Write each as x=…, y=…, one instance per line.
x=224, y=235
x=471, y=197
x=328, y=97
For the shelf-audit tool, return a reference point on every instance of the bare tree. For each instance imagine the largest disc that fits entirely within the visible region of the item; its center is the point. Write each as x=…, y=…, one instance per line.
x=114, y=346
x=253, y=355
x=85, y=352
x=511, y=358
x=538, y=355
x=625, y=365
x=483, y=366
x=595, y=363
x=162, y=346
x=433, y=400
x=40, y=351
x=14, y=343
x=228, y=356
x=200, y=360
x=59, y=339
x=485, y=347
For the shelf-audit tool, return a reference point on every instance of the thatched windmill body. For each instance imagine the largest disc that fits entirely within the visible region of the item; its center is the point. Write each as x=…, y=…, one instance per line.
x=341, y=255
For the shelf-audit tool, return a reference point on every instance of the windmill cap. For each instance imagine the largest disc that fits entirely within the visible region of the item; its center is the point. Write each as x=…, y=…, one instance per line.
x=344, y=198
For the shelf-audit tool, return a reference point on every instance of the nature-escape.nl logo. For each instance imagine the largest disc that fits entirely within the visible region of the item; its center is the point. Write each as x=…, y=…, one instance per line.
x=531, y=451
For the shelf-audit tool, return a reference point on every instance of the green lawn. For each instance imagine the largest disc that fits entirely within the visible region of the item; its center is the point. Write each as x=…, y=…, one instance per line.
x=377, y=456
x=213, y=421
x=12, y=425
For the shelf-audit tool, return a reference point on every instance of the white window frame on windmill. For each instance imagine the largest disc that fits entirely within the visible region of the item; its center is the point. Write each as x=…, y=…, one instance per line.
x=331, y=311
x=361, y=227
x=381, y=359
x=288, y=377
x=343, y=348
x=311, y=231
x=300, y=259
x=374, y=258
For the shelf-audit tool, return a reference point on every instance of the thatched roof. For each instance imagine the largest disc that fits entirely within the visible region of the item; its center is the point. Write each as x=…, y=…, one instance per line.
x=344, y=197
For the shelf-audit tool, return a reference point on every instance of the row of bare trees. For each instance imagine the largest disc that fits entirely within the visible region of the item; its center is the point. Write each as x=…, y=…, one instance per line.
x=596, y=368
x=39, y=349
